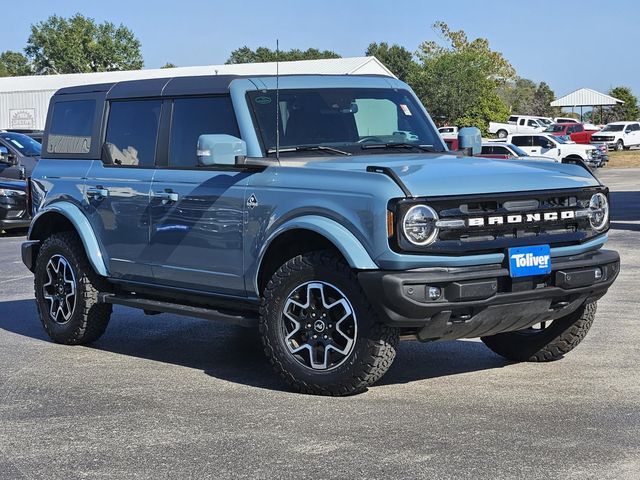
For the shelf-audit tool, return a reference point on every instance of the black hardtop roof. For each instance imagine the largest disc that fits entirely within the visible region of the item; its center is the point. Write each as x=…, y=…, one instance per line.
x=154, y=87
x=172, y=86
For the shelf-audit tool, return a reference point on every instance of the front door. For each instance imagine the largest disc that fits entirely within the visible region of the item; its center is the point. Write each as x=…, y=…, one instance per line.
x=118, y=187
x=197, y=212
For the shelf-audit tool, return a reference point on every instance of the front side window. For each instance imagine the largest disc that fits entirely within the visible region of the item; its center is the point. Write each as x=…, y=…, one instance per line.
x=132, y=131
x=193, y=117
x=71, y=126
x=532, y=123
x=351, y=119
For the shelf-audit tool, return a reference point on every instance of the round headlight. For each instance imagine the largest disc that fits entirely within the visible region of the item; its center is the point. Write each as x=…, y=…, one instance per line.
x=419, y=225
x=599, y=211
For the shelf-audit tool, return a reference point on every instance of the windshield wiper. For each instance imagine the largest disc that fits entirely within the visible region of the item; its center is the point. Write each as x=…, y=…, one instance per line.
x=308, y=148
x=424, y=148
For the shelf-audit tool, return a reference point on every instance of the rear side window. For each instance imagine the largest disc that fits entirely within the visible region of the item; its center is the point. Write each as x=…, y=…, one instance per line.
x=132, y=131
x=193, y=117
x=71, y=127
x=524, y=141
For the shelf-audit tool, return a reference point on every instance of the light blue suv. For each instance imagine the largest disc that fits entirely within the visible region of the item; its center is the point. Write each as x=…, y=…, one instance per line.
x=324, y=210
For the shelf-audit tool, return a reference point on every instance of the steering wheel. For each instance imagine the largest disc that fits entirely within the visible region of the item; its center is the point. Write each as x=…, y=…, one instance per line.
x=370, y=140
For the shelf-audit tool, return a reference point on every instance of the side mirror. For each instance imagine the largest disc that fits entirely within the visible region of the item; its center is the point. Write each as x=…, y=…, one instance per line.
x=470, y=138
x=219, y=149
x=5, y=156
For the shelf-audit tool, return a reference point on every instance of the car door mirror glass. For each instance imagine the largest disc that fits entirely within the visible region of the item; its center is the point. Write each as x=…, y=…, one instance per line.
x=219, y=149
x=5, y=156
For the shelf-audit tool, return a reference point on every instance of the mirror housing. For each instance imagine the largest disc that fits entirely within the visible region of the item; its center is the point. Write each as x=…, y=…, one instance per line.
x=6, y=157
x=219, y=149
x=470, y=138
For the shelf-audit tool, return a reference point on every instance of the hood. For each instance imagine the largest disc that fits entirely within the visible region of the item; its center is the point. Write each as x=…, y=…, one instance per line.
x=439, y=175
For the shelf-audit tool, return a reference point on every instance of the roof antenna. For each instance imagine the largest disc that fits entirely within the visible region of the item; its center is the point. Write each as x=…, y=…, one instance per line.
x=277, y=100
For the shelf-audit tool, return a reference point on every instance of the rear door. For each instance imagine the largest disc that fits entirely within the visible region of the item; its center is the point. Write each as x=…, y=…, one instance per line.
x=525, y=142
x=117, y=188
x=635, y=130
x=197, y=212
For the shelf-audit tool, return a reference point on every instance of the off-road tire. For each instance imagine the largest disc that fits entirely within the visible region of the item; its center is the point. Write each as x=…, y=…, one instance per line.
x=552, y=343
x=89, y=318
x=375, y=344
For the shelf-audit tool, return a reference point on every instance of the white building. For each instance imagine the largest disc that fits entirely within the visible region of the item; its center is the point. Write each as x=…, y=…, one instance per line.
x=24, y=100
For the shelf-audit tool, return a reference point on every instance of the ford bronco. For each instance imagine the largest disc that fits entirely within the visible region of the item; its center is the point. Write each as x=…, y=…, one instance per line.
x=326, y=211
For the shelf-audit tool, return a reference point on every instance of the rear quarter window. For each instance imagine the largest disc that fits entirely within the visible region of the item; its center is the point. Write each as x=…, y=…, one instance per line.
x=71, y=127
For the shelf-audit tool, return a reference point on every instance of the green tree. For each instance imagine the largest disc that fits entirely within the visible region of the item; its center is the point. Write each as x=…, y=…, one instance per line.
x=264, y=54
x=542, y=101
x=169, y=65
x=458, y=79
x=396, y=58
x=525, y=97
x=626, y=111
x=78, y=44
x=14, y=64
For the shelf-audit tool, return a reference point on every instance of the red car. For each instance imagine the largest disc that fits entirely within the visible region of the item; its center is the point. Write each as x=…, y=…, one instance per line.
x=575, y=131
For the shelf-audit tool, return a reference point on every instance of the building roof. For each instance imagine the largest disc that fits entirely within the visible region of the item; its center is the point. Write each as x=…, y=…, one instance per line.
x=585, y=97
x=333, y=66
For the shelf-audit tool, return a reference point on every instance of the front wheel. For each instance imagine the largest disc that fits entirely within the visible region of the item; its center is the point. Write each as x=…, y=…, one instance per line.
x=620, y=145
x=318, y=329
x=547, y=342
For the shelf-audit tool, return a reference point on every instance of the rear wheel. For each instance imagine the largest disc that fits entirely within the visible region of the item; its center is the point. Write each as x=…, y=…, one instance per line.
x=66, y=290
x=319, y=330
x=502, y=134
x=546, y=341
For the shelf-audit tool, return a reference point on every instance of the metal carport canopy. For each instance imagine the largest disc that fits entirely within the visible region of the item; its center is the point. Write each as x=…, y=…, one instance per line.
x=585, y=97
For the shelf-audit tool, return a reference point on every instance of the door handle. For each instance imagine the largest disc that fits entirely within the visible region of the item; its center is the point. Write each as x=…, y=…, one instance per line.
x=167, y=197
x=98, y=193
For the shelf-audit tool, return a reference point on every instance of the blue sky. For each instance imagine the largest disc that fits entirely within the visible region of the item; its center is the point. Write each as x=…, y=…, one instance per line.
x=567, y=44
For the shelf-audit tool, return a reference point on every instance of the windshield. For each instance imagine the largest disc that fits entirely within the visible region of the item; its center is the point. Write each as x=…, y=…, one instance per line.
x=613, y=128
x=545, y=121
x=27, y=146
x=555, y=128
x=517, y=150
x=350, y=119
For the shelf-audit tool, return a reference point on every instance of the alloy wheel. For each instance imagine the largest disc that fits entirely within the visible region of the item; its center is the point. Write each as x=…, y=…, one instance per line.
x=320, y=325
x=60, y=289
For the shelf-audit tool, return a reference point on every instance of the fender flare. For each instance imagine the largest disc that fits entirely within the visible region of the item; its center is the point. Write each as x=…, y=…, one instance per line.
x=80, y=222
x=346, y=242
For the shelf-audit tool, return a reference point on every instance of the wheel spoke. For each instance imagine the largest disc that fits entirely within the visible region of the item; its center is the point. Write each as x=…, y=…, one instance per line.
x=59, y=290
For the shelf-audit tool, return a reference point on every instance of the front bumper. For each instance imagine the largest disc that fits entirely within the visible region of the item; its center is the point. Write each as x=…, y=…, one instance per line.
x=485, y=300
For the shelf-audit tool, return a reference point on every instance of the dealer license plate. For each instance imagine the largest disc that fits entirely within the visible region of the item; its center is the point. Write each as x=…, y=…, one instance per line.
x=529, y=261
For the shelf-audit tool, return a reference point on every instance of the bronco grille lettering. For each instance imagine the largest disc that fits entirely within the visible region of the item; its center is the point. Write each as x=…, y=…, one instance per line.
x=515, y=219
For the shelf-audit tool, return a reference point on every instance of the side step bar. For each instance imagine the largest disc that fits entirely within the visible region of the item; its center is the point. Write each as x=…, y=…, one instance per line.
x=142, y=303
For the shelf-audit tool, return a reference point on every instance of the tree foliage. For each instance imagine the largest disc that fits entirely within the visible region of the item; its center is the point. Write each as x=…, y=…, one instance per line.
x=396, y=58
x=264, y=54
x=169, y=65
x=78, y=44
x=458, y=79
x=525, y=97
x=628, y=110
x=14, y=64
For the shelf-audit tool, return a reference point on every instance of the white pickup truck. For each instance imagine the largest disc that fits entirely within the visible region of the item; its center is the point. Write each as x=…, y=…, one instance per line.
x=517, y=124
x=557, y=148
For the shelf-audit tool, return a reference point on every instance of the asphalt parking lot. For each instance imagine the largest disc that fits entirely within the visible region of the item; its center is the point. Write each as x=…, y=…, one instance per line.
x=172, y=397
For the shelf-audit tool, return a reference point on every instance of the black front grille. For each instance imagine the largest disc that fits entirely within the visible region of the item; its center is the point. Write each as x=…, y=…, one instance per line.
x=491, y=223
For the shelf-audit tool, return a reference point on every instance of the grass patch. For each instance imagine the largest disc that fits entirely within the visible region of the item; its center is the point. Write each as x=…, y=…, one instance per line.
x=628, y=159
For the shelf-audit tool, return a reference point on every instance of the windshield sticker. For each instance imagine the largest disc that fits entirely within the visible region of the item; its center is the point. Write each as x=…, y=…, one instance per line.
x=17, y=144
x=263, y=100
x=405, y=110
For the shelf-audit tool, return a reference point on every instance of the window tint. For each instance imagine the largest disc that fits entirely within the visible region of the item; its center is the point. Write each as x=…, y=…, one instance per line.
x=501, y=151
x=539, y=141
x=131, y=132
x=193, y=117
x=513, y=118
x=635, y=127
x=71, y=125
x=524, y=141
